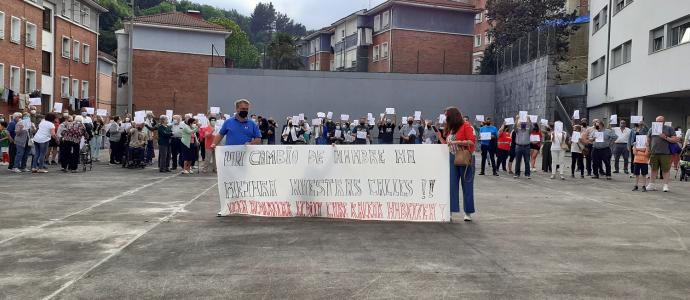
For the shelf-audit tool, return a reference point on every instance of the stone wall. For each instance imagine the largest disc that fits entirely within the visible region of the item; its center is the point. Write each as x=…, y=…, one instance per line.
x=530, y=87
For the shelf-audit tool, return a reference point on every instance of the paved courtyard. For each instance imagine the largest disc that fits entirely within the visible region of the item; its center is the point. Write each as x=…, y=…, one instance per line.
x=139, y=234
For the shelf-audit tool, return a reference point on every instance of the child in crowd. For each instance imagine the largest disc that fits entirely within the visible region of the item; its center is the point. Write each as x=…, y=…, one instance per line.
x=641, y=167
x=4, y=144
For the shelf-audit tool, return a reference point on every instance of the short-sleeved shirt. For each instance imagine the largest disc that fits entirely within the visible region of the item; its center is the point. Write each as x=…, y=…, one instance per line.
x=238, y=132
x=494, y=133
x=43, y=133
x=659, y=145
x=464, y=133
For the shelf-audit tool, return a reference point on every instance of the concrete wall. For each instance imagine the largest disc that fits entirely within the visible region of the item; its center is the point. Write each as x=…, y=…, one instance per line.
x=529, y=87
x=285, y=93
x=428, y=19
x=178, y=41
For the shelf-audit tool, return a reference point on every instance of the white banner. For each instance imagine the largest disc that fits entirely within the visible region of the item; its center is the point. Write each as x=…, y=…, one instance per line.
x=363, y=182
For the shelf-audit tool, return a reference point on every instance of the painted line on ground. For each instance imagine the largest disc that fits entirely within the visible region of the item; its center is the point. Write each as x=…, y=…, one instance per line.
x=111, y=199
x=119, y=250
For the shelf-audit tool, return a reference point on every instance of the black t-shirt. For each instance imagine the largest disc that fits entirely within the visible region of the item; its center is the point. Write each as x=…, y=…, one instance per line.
x=386, y=132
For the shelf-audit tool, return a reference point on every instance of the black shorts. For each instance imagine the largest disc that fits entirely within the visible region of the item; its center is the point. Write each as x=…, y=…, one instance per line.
x=511, y=154
x=52, y=143
x=640, y=169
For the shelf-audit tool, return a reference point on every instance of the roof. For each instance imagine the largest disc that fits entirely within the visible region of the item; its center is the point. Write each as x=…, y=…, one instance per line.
x=178, y=19
x=107, y=57
x=95, y=5
x=459, y=6
x=318, y=32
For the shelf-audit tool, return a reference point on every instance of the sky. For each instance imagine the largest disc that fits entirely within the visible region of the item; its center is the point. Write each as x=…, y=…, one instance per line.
x=314, y=14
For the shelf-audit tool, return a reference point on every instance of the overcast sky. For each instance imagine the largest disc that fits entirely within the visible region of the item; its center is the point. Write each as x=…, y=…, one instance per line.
x=314, y=14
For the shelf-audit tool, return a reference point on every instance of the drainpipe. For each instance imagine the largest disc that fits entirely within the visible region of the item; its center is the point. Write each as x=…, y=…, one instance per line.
x=390, y=41
x=608, y=47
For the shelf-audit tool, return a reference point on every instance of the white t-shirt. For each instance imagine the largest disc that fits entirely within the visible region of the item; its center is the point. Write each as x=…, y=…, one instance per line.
x=557, y=139
x=43, y=132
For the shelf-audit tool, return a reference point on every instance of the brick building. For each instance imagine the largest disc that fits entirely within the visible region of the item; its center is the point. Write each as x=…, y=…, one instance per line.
x=46, y=49
x=397, y=36
x=169, y=55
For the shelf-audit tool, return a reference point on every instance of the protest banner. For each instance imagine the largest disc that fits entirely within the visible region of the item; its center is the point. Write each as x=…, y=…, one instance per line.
x=34, y=101
x=576, y=114
x=89, y=110
x=657, y=128
x=367, y=182
x=576, y=137
x=441, y=119
x=390, y=111
x=613, y=120
x=509, y=121
x=635, y=119
x=480, y=118
x=102, y=112
x=640, y=141
x=57, y=107
x=215, y=110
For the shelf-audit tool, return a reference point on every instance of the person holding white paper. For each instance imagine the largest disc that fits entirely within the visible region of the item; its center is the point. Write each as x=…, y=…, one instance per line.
x=488, y=146
x=559, y=146
x=602, y=138
x=576, y=148
x=522, y=146
x=408, y=132
x=361, y=133
x=386, y=128
x=621, y=146
x=639, y=129
x=292, y=134
x=460, y=136
x=97, y=138
x=535, y=138
x=660, y=154
x=641, y=165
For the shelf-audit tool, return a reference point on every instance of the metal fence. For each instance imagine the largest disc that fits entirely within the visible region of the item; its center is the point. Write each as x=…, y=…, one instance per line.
x=536, y=44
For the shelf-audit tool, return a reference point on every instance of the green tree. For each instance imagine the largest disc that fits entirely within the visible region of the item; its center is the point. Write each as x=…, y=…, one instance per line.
x=163, y=7
x=512, y=20
x=262, y=21
x=110, y=22
x=283, y=53
x=237, y=46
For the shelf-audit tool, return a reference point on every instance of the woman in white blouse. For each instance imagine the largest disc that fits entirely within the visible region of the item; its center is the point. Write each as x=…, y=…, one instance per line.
x=46, y=131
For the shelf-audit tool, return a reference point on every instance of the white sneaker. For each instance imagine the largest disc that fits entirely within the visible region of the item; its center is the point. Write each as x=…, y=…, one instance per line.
x=650, y=187
x=665, y=188
x=15, y=170
x=468, y=218
x=553, y=176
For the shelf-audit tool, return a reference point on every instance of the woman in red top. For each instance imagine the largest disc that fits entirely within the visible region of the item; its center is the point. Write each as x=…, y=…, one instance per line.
x=504, y=140
x=460, y=134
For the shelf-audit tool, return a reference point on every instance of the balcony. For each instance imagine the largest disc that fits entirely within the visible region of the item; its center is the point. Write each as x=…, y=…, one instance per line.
x=351, y=41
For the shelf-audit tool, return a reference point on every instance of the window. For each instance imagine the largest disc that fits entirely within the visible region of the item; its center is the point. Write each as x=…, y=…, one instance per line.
x=2, y=25
x=45, y=63
x=627, y=52
x=15, y=77
x=478, y=40
x=385, y=19
x=30, y=35
x=86, y=56
x=76, y=49
x=75, y=88
x=376, y=53
x=2, y=75
x=64, y=87
x=598, y=67
x=47, y=18
x=600, y=20
x=311, y=66
x=377, y=22
x=76, y=12
x=15, y=34
x=84, y=89
x=620, y=5
x=66, y=47
x=318, y=66
x=478, y=18
x=657, y=37
x=384, y=50
x=85, y=15
x=487, y=37
x=30, y=84
x=66, y=8
x=680, y=34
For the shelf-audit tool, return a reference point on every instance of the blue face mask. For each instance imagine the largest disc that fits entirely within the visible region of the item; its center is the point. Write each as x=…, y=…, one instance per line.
x=26, y=118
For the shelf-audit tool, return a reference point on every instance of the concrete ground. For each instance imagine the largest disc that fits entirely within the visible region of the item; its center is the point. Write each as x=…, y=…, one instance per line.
x=139, y=234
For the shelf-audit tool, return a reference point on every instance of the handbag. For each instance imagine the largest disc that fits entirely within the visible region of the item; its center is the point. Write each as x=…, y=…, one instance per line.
x=564, y=143
x=463, y=157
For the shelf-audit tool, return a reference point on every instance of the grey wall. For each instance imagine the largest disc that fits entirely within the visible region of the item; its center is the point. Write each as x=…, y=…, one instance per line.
x=286, y=93
x=528, y=87
x=180, y=41
x=433, y=19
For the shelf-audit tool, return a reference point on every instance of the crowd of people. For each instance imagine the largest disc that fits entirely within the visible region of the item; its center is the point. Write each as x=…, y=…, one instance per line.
x=185, y=141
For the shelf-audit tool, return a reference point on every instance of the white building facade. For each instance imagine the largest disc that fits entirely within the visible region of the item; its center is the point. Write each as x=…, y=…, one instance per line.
x=639, y=60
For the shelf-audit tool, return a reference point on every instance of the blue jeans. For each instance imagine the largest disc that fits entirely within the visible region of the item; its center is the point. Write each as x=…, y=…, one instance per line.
x=149, y=151
x=522, y=153
x=39, y=159
x=461, y=176
x=20, y=158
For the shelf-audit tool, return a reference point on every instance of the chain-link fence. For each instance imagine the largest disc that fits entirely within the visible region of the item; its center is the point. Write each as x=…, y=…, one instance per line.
x=536, y=44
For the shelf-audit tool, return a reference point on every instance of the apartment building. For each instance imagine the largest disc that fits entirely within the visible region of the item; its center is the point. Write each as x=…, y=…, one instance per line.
x=46, y=50
x=317, y=47
x=163, y=61
x=398, y=36
x=638, y=60
x=107, y=82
